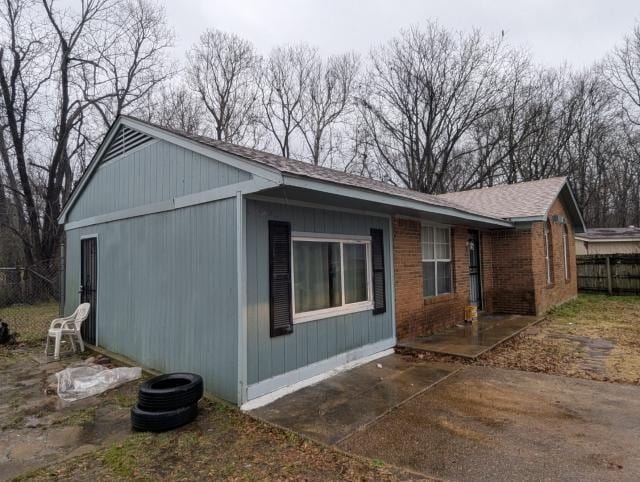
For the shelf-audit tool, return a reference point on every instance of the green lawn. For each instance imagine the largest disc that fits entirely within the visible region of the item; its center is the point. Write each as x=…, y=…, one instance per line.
x=30, y=322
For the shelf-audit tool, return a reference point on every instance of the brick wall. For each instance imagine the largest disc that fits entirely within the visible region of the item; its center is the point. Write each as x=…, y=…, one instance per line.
x=416, y=315
x=512, y=288
x=561, y=289
x=513, y=274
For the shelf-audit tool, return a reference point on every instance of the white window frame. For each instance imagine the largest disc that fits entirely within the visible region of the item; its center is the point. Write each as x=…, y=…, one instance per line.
x=435, y=259
x=345, y=308
x=566, y=253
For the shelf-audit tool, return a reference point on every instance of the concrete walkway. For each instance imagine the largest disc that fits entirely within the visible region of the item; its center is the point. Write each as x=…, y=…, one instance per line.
x=456, y=422
x=470, y=340
x=334, y=409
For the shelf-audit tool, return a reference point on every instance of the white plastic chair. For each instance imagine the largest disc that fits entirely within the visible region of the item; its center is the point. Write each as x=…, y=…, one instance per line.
x=67, y=326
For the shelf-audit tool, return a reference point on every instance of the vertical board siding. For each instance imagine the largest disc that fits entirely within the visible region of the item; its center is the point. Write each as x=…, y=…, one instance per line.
x=167, y=290
x=156, y=172
x=312, y=341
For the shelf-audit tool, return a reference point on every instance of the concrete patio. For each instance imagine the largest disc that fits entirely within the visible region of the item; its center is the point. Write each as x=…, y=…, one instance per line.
x=334, y=409
x=470, y=340
x=468, y=423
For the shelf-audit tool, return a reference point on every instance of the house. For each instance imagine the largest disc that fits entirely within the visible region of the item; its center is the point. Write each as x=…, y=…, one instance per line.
x=263, y=273
x=608, y=241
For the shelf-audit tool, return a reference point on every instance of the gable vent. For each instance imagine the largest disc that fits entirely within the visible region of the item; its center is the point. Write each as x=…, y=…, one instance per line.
x=124, y=141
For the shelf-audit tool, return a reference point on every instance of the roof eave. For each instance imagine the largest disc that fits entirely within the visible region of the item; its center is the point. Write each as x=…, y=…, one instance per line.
x=608, y=240
x=390, y=200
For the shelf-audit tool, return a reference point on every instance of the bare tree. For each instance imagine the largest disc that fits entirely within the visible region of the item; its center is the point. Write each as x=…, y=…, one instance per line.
x=175, y=106
x=286, y=78
x=325, y=102
x=223, y=69
x=424, y=91
x=63, y=68
x=622, y=68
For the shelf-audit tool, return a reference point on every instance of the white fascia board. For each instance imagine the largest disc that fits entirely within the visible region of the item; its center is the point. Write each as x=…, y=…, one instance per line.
x=528, y=219
x=211, y=152
x=238, y=162
x=89, y=171
x=390, y=200
x=211, y=195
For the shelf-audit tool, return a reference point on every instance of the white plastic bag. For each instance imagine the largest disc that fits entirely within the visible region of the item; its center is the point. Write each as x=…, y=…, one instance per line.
x=75, y=383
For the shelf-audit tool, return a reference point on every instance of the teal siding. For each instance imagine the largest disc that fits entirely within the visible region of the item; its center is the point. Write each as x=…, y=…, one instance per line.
x=312, y=341
x=167, y=290
x=156, y=172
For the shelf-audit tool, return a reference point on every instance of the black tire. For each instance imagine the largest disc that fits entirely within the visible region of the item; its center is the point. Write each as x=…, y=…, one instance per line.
x=170, y=392
x=146, y=421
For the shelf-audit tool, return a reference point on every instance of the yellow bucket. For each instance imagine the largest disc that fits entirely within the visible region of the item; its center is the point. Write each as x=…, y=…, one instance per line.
x=471, y=313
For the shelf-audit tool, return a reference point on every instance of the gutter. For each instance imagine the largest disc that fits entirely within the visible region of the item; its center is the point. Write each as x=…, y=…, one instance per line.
x=389, y=200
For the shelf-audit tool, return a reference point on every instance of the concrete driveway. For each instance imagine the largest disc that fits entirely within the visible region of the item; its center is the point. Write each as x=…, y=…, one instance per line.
x=478, y=423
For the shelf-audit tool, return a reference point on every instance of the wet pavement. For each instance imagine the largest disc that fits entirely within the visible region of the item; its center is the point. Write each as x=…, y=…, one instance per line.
x=37, y=428
x=467, y=422
x=470, y=340
x=336, y=408
x=495, y=424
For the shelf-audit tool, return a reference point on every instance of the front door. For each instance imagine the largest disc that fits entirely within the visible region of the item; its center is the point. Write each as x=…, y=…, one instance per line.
x=475, y=290
x=89, y=285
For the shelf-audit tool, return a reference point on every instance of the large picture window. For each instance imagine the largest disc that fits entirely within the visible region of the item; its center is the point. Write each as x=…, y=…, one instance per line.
x=436, y=260
x=331, y=276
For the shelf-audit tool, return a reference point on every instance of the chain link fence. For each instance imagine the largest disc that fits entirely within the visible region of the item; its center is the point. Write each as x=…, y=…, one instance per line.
x=30, y=298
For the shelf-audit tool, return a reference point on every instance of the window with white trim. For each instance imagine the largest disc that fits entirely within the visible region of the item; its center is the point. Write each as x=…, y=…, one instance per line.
x=331, y=276
x=436, y=260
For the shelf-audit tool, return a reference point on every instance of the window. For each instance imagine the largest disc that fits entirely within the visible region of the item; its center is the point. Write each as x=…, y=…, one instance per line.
x=548, y=256
x=565, y=250
x=330, y=276
x=436, y=260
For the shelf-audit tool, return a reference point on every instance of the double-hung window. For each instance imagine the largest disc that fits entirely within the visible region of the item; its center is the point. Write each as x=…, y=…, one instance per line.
x=436, y=260
x=331, y=276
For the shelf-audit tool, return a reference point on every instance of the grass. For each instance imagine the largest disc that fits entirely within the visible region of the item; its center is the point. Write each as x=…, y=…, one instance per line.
x=594, y=336
x=223, y=443
x=30, y=322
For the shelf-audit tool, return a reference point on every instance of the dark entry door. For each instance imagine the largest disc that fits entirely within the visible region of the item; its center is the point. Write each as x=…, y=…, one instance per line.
x=89, y=285
x=475, y=290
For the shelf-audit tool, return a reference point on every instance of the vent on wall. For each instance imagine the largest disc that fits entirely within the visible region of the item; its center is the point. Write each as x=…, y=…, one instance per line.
x=124, y=141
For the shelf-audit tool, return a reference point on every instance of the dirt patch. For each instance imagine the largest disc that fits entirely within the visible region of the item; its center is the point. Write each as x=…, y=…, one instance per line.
x=223, y=443
x=37, y=427
x=92, y=438
x=594, y=337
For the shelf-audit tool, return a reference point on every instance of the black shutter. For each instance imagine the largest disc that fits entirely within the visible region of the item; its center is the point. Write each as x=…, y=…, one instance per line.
x=377, y=261
x=281, y=319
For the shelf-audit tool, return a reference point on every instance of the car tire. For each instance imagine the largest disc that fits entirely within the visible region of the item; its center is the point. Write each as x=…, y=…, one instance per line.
x=170, y=392
x=148, y=421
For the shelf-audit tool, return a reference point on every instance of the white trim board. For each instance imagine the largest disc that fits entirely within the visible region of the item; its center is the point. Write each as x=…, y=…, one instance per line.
x=266, y=391
x=216, y=194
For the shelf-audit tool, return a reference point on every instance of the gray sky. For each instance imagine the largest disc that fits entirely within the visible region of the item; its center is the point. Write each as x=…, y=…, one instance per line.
x=576, y=31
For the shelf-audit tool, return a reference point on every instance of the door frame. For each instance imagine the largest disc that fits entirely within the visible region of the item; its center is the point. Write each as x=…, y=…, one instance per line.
x=95, y=311
x=480, y=283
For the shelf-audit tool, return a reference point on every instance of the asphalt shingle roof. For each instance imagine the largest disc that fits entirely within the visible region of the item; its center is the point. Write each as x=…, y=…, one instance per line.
x=509, y=201
x=500, y=202
x=621, y=234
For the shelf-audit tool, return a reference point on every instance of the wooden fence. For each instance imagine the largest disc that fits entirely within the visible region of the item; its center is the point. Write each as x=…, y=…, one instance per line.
x=616, y=274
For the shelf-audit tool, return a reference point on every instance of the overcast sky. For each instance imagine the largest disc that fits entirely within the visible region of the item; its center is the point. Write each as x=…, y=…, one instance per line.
x=555, y=31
